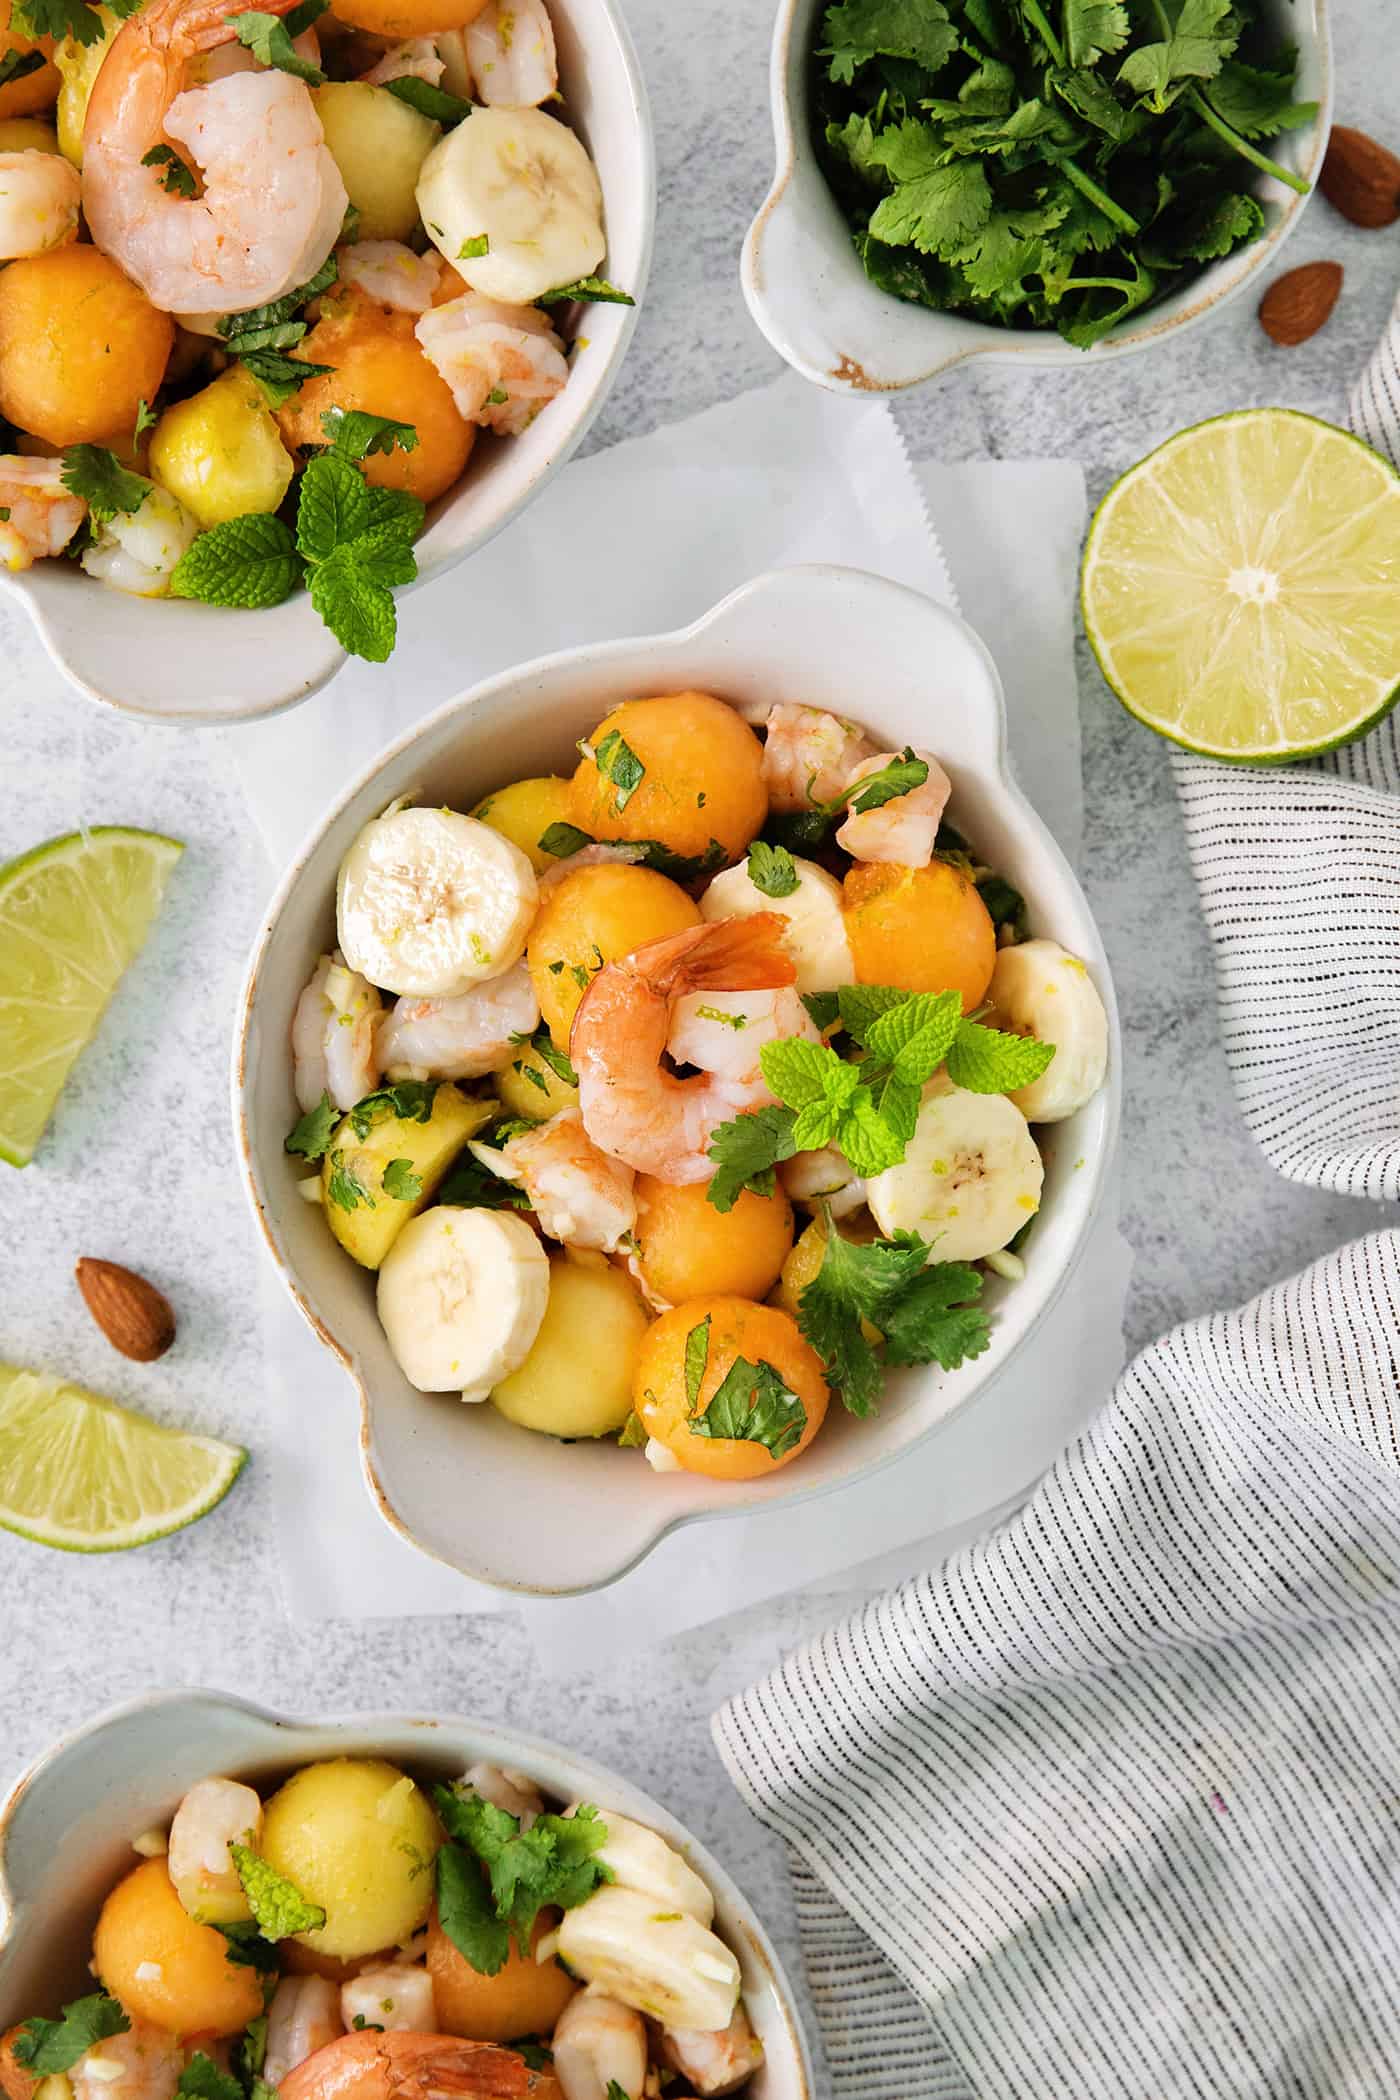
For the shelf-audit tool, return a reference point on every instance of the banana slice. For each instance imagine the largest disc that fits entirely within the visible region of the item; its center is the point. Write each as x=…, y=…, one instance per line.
x=641, y=1860
x=1039, y=988
x=431, y=903
x=815, y=933
x=521, y=182
x=461, y=1297
x=970, y=1177
x=661, y=1962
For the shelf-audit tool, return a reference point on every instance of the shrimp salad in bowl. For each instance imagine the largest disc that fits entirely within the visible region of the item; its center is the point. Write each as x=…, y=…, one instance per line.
x=270, y=279
x=668, y=1100
x=359, y=1935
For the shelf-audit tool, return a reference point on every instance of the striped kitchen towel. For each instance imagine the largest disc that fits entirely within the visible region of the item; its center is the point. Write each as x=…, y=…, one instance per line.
x=1108, y=1806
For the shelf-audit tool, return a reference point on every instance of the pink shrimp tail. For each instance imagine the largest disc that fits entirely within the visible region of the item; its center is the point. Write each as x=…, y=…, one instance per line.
x=406, y=2066
x=729, y=955
x=196, y=25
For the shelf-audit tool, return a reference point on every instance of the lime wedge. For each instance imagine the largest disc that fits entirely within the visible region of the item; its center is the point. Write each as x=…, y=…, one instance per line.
x=91, y=1477
x=73, y=914
x=1241, y=587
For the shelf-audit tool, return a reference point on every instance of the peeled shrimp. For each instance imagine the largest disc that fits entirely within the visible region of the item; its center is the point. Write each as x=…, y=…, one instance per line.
x=810, y=755
x=415, y=59
x=214, y=1814
x=391, y=274
x=725, y=1032
x=395, y=1996
x=333, y=1037
x=580, y=1195
x=902, y=830
x=506, y=1788
x=502, y=363
x=38, y=517
x=367, y=2066
x=39, y=198
x=632, y=1105
x=143, y=2063
x=137, y=550
x=813, y=1178
x=715, y=2063
x=599, y=2044
x=273, y=199
x=510, y=50
x=303, y=2018
x=459, y=1038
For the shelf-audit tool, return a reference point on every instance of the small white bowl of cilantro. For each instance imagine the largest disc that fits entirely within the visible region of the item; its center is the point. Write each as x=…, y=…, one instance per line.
x=944, y=1197
x=1034, y=181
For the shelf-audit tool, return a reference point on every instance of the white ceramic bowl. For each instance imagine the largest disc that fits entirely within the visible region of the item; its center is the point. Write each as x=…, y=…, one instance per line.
x=454, y=1480
x=807, y=291
x=172, y=660
x=67, y=1826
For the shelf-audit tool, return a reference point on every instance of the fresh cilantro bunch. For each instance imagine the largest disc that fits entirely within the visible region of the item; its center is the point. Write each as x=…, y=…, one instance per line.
x=923, y=1312
x=1048, y=163
x=353, y=544
x=493, y=1878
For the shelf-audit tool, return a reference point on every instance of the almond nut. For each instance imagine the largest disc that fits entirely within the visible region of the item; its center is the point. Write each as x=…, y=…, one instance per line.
x=1361, y=178
x=1296, y=305
x=135, y=1317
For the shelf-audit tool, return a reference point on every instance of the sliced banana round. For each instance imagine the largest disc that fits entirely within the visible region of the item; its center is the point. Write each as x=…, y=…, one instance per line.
x=431, y=903
x=461, y=1296
x=661, y=1962
x=970, y=1177
x=1039, y=988
x=639, y=1859
x=815, y=933
x=522, y=183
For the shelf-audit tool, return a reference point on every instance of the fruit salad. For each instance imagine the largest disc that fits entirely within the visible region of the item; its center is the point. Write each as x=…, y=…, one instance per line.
x=269, y=278
x=666, y=1100
x=359, y=1935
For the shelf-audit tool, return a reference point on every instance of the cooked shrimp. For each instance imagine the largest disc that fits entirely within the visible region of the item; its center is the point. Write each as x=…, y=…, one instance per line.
x=137, y=550
x=502, y=363
x=902, y=830
x=214, y=1814
x=715, y=2063
x=273, y=199
x=622, y=852
x=580, y=1195
x=39, y=198
x=333, y=1036
x=391, y=274
x=368, y=2066
x=600, y=2047
x=826, y=1177
x=303, y=2018
x=144, y=2063
x=510, y=50
x=415, y=59
x=632, y=1105
x=810, y=755
x=459, y=1038
x=725, y=1032
x=394, y=1996
x=506, y=1788
x=38, y=516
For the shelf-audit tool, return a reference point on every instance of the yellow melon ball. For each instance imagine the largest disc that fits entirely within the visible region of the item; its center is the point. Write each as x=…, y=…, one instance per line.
x=378, y=366
x=149, y=1953
x=684, y=768
x=523, y=1997
x=923, y=929
x=359, y=1838
x=80, y=346
x=78, y=67
x=379, y=144
x=529, y=1086
x=221, y=452
x=590, y=918
x=577, y=1379
x=524, y=812
x=688, y=1249
x=757, y=1334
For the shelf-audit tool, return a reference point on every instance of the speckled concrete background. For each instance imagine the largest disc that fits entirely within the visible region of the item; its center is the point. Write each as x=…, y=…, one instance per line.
x=139, y=1166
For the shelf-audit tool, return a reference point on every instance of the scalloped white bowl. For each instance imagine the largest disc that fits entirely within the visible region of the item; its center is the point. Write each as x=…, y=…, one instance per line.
x=808, y=293
x=67, y=1826
x=171, y=660
x=456, y=1479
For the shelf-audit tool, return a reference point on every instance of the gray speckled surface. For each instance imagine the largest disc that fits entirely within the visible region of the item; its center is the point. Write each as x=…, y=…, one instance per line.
x=139, y=1165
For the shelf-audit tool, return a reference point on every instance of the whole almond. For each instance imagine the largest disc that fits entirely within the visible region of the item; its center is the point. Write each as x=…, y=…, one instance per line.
x=135, y=1317
x=1296, y=304
x=1361, y=178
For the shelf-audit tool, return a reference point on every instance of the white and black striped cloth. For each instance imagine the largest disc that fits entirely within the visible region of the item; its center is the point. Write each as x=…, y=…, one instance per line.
x=1108, y=1806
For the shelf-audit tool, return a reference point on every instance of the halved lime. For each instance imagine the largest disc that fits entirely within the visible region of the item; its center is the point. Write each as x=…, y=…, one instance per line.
x=82, y=1473
x=73, y=913
x=1241, y=587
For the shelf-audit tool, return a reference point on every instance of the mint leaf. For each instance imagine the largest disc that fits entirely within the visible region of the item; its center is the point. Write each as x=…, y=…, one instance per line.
x=98, y=476
x=355, y=433
x=467, y=1914
x=311, y=1134
x=619, y=763
x=279, y=1909
x=591, y=291
x=358, y=609
x=247, y=1949
x=48, y=2047
x=824, y=1009
x=277, y=311
x=862, y=1004
x=900, y=777
x=772, y=869
x=542, y=1043
x=178, y=178
x=562, y=840
x=270, y=41
x=533, y=2053
x=697, y=1357
x=870, y=1141
x=915, y=1036
x=399, y=1181
x=202, y=2079
x=753, y=1405
x=932, y=1320
x=333, y=506
x=279, y=376
x=429, y=101
x=633, y=1434
x=471, y=1186
x=864, y=29
x=802, y=1074
x=990, y=1061
x=18, y=65
x=250, y=561
x=745, y=1152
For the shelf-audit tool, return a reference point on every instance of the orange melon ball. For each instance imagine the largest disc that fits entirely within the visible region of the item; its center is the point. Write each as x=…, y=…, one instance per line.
x=688, y=1249
x=760, y=1334
x=81, y=346
x=378, y=366
x=149, y=1952
x=590, y=918
x=37, y=90
x=702, y=776
x=523, y=1997
x=405, y=18
x=923, y=929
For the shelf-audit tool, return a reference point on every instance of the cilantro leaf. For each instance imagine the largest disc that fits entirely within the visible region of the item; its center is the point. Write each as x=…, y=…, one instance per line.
x=249, y=2053
x=279, y=1909
x=633, y=1435
x=542, y=1043
x=250, y=561
x=900, y=777
x=991, y=1061
x=772, y=869
x=551, y=1863
x=269, y=39
x=534, y=2054
x=1195, y=47
x=411, y=1100
x=856, y=1284
x=344, y=1187
x=751, y=1404
x=614, y=2091
x=471, y=1186
x=1256, y=101
x=47, y=2047
x=467, y=1914
x=399, y=1181
x=697, y=1357
x=18, y=65
x=145, y=418
x=98, y=476
x=202, y=2079
x=932, y=1320
x=562, y=840
x=745, y=1152
x=590, y=291
x=311, y=1134
x=178, y=178
x=619, y=763
x=355, y=433
x=73, y=18
x=935, y=212
x=1094, y=29
x=429, y=101
x=861, y=30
